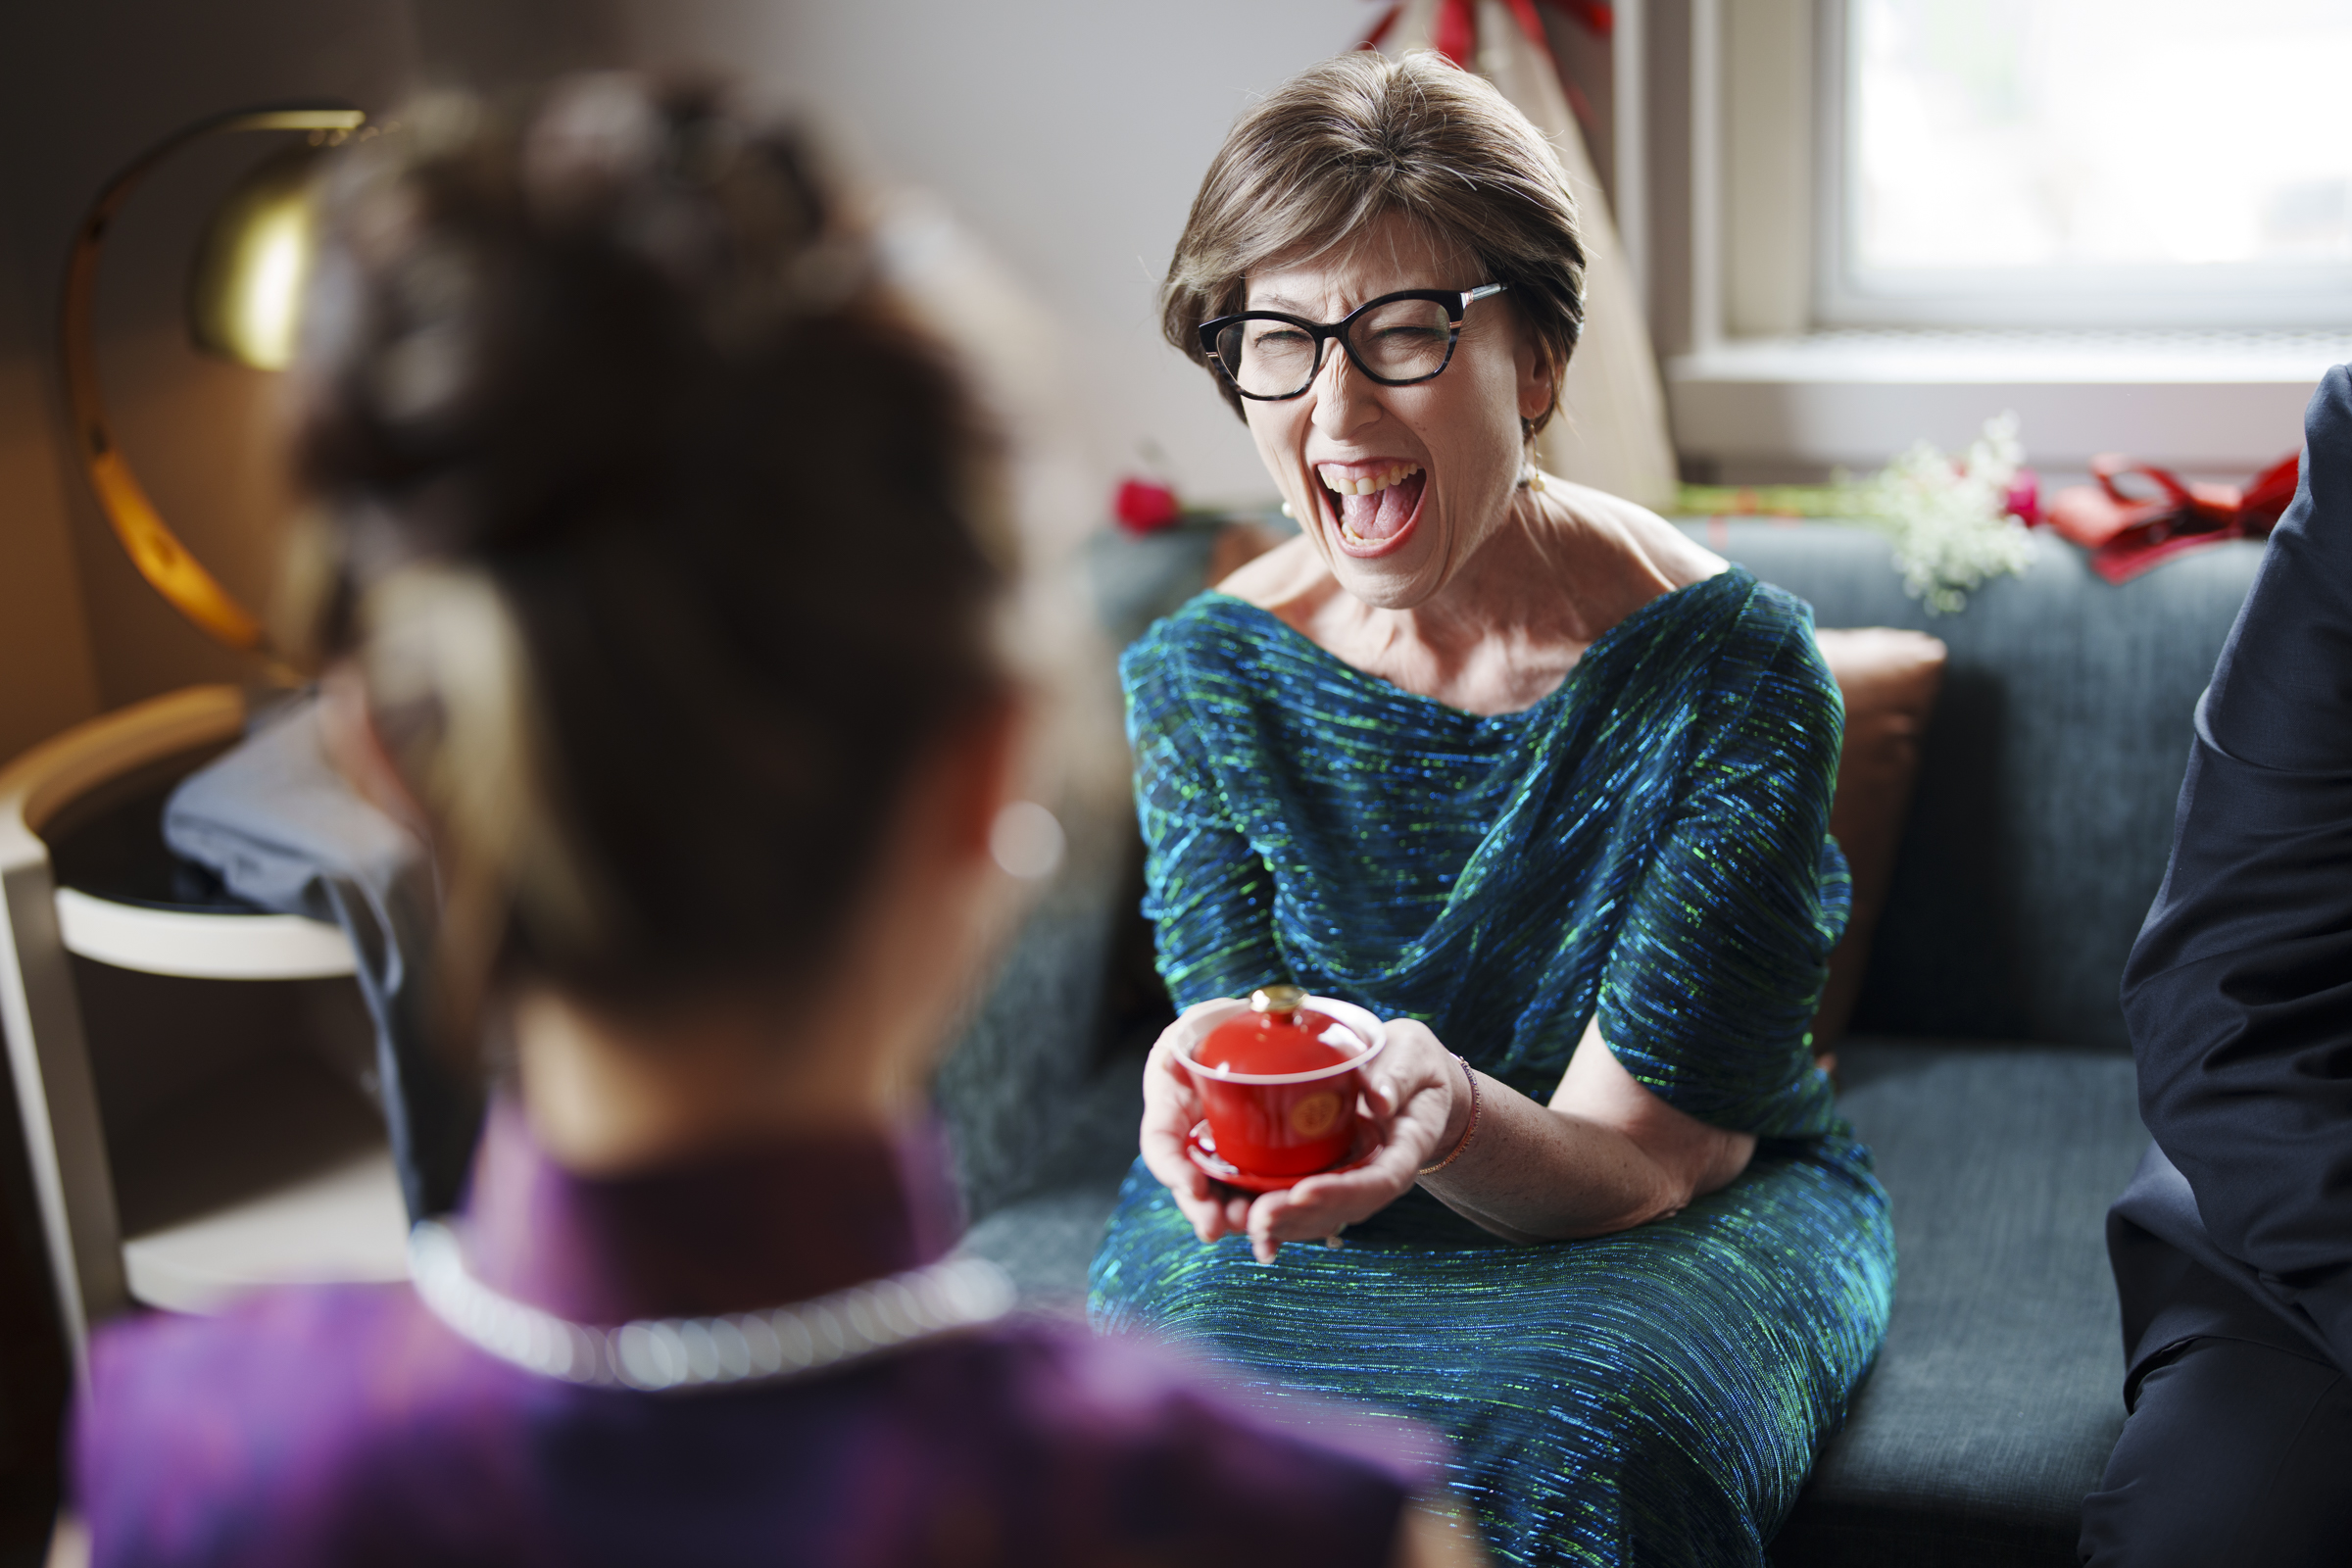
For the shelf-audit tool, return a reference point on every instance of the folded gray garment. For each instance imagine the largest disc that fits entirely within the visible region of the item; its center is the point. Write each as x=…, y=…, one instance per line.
x=280, y=826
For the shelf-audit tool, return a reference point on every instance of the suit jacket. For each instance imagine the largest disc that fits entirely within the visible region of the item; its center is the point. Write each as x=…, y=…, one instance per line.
x=2238, y=992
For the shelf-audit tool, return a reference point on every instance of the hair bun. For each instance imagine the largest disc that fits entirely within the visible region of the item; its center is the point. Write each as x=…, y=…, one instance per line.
x=532, y=301
x=724, y=214
x=604, y=373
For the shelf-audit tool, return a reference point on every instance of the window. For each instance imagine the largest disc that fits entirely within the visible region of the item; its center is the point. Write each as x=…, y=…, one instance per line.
x=2086, y=163
x=2130, y=222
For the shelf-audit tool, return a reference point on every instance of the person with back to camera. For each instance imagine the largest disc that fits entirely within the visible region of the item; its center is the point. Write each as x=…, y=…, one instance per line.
x=1521, y=769
x=2232, y=1246
x=660, y=582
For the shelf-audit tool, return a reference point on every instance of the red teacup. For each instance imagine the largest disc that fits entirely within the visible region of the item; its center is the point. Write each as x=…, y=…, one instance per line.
x=1280, y=1086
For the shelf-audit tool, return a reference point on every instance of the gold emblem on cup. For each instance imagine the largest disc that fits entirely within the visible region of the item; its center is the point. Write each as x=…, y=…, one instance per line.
x=1317, y=1114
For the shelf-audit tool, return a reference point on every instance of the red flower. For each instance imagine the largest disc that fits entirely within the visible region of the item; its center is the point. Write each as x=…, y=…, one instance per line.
x=1145, y=505
x=2024, y=502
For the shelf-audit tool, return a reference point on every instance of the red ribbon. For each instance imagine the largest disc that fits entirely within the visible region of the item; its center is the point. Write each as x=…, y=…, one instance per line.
x=2126, y=534
x=1455, y=33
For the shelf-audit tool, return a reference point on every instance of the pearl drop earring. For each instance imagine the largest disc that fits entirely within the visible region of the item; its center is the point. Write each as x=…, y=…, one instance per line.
x=1026, y=841
x=1287, y=513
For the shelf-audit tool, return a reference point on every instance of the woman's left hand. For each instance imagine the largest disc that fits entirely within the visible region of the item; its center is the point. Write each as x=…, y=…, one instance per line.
x=1419, y=1102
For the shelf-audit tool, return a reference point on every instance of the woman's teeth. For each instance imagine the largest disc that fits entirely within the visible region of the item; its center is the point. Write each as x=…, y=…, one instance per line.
x=1363, y=505
x=1370, y=484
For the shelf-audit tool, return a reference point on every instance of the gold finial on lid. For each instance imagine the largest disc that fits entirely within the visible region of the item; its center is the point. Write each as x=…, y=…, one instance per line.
x=1278, y=1001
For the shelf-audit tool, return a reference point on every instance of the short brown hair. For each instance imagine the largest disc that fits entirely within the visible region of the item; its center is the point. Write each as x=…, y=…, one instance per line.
x=1345, y=143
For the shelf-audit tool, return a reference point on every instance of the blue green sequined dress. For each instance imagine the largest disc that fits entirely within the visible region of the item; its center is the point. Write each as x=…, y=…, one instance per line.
x=1649, y=842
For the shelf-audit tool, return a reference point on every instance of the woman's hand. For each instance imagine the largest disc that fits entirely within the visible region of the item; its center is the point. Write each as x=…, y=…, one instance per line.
x=1415, y=1094
x=1172, y=1105
x=1419, y=1102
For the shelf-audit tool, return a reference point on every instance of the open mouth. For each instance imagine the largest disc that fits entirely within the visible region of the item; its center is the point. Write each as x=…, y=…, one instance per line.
x=1374, y=510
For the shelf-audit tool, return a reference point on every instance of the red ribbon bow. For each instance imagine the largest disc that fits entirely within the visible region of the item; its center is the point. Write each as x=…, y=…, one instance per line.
x=2127, y=534
x=1455, y=32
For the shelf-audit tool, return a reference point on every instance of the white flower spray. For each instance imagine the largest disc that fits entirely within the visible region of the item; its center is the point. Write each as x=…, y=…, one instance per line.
x=1950, y=520
x=1953, y=523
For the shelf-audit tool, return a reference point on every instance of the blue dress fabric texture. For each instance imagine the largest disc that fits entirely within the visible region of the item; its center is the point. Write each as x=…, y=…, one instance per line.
x=1647, y=844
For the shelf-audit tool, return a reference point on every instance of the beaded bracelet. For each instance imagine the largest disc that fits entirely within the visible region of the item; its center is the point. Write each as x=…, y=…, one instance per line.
x=1432, y=1170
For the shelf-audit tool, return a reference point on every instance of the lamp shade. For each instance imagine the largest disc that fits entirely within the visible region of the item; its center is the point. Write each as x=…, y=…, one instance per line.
x=245, y=286
x=248, y=279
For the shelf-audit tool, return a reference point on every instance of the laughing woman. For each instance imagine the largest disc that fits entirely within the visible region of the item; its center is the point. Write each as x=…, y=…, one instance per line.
x=1518, y=767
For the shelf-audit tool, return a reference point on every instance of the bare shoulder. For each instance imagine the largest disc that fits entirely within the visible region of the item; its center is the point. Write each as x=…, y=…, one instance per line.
x=1674, y=554
x=1289, y=581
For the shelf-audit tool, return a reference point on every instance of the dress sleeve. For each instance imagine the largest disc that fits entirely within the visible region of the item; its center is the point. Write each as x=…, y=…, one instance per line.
x=2238, y=994
x=1708, y=994
x=1207, y=892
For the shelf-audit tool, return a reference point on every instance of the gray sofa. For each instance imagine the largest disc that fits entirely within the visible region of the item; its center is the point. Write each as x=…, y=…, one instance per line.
x=1987, y=1066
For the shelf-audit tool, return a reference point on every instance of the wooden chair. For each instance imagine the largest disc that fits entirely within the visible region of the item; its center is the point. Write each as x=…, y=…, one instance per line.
x=176, y=1167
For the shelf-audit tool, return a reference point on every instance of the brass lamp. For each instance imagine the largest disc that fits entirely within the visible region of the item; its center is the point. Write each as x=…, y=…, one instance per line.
x=243, y=301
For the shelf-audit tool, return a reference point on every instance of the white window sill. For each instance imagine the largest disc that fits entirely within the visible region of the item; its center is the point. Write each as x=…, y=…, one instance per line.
x=2209, y=402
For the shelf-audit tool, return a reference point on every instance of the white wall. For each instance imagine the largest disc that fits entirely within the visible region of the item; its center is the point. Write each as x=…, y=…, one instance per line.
x=1069, y=135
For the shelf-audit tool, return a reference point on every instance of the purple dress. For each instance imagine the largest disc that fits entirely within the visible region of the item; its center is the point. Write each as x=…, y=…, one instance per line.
x=348, y=1425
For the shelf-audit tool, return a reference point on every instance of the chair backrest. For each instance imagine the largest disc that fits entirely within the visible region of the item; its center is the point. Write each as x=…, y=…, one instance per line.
x=2044, y=813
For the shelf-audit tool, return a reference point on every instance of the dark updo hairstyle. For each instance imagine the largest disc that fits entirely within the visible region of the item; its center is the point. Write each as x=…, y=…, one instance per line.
x=664, y=540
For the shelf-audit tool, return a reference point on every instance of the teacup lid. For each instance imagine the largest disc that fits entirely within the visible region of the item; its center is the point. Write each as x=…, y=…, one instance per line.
x=1287, y=1032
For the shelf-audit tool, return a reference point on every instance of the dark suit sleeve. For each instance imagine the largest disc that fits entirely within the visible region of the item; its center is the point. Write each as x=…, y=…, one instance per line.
x=2238, y=992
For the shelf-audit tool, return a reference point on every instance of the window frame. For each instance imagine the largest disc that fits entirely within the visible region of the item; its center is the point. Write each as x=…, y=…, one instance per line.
x=1761, y=390
x=2311, y=296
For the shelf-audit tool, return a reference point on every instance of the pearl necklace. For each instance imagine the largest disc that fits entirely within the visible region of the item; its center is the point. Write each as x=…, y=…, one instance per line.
x=661, y=1354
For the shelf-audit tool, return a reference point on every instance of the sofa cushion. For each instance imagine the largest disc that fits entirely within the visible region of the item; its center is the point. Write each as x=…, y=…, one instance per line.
x=1998, y=1393
x=1888, y=679
x=1010, y=1090
x=1046, y=1237
x=2046, y=789
x=1046, y=1241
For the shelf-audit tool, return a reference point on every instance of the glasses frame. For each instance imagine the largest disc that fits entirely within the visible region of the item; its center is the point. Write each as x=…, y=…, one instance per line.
x=1457, y=303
